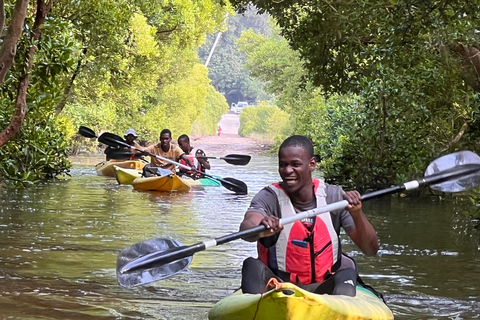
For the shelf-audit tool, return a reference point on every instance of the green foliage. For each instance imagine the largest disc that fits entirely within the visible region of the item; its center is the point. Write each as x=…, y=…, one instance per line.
x=210, y=115
x=152, y=79
x=397, y=93
x=266, y=121
x=37, y=152
x=342, y=43
x=178, y=105
x=270, y=60
x=130, y=64
x=226, y=66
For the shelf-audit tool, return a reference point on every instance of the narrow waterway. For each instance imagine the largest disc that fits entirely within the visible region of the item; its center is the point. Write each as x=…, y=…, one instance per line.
x=59, y=243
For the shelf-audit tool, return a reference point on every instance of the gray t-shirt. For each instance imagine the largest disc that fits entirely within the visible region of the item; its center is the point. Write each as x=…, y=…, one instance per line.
x=266, y=203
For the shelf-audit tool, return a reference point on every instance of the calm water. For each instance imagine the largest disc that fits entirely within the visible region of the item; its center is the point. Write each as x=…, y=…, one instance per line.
x=59, y=244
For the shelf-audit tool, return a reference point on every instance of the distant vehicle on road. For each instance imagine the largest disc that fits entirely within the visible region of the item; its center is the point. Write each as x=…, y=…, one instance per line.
x=238, y=107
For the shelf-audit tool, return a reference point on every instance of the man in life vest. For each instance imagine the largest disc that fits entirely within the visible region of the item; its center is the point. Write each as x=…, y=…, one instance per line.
x=195, y=155
x=306, y=253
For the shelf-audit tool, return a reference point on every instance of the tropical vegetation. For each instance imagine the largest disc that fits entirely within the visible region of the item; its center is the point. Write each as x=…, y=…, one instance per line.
x=227, y=64
x=107, y=65
x=382, y=88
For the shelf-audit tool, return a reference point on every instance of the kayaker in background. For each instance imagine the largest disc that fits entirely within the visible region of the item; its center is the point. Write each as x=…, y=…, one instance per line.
x=123, y=153
x=194, y=155
x=167, y=150
x=285, y=251
x=130, y=136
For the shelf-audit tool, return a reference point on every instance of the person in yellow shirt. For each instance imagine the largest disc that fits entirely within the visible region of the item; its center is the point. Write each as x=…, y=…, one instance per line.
x=167, y=150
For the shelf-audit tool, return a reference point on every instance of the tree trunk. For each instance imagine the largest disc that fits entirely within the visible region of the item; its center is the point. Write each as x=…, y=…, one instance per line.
x=21, y=103
x=2, y=16
x=9, y=46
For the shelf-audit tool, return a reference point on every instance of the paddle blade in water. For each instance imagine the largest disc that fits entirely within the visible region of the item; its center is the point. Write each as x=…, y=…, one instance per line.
x=86, y=132
x=237, y=186
x=455, y=160
x=237, y=159
x=154, y=273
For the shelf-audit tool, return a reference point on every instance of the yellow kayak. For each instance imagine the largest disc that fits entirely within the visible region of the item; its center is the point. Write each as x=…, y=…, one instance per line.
x=126, y=176
x=106, y=168
x=289, y=302
x=166, y=183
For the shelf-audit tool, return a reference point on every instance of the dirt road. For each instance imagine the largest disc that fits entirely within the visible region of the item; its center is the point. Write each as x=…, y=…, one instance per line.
x=229, y=141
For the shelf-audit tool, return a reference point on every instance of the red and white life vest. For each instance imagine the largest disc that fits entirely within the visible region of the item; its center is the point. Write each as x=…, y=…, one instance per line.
x=194, y=160
x=308, y=256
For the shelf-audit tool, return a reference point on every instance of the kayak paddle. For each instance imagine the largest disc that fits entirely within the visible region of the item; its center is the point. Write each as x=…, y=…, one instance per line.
x=116, y=154
x=237, y=186
x=235, y=159
x=86, y=132
x=451, y=173
x=146, y=247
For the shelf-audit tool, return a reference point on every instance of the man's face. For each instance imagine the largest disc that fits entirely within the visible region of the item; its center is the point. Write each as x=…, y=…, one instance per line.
x=165, y=140
x=184, y=145
x=295, y=168
x=129, y=138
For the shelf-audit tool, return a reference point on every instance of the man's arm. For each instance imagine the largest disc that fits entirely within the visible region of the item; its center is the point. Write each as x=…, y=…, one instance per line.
x=188, y=161
x=203, y=161
x=179, y=154
x=262, y=211
x=363, y=235
x=253, y=219
x=149, y=149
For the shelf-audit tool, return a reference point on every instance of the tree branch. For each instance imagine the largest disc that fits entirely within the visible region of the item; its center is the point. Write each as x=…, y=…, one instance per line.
x=69, y=87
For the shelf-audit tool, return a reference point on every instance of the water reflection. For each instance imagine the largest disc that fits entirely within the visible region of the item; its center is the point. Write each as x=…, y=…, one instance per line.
x=59, y=243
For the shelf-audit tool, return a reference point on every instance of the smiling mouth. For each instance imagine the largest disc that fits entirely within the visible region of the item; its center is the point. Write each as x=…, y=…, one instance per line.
x=289, y=181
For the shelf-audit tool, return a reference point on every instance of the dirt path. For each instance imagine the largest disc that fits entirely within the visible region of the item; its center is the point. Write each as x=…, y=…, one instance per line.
x=229, y=141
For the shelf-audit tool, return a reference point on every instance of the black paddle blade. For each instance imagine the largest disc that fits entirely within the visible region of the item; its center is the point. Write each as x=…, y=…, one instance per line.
x=237, y=159
x=237, y=186
x=118, y=154
x=112, y=140
x=86, y=132
x=151, y=273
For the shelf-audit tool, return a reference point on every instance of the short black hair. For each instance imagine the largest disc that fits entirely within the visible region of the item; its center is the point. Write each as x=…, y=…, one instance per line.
x=166, y=131
x=298, y=141
x=184, y=137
